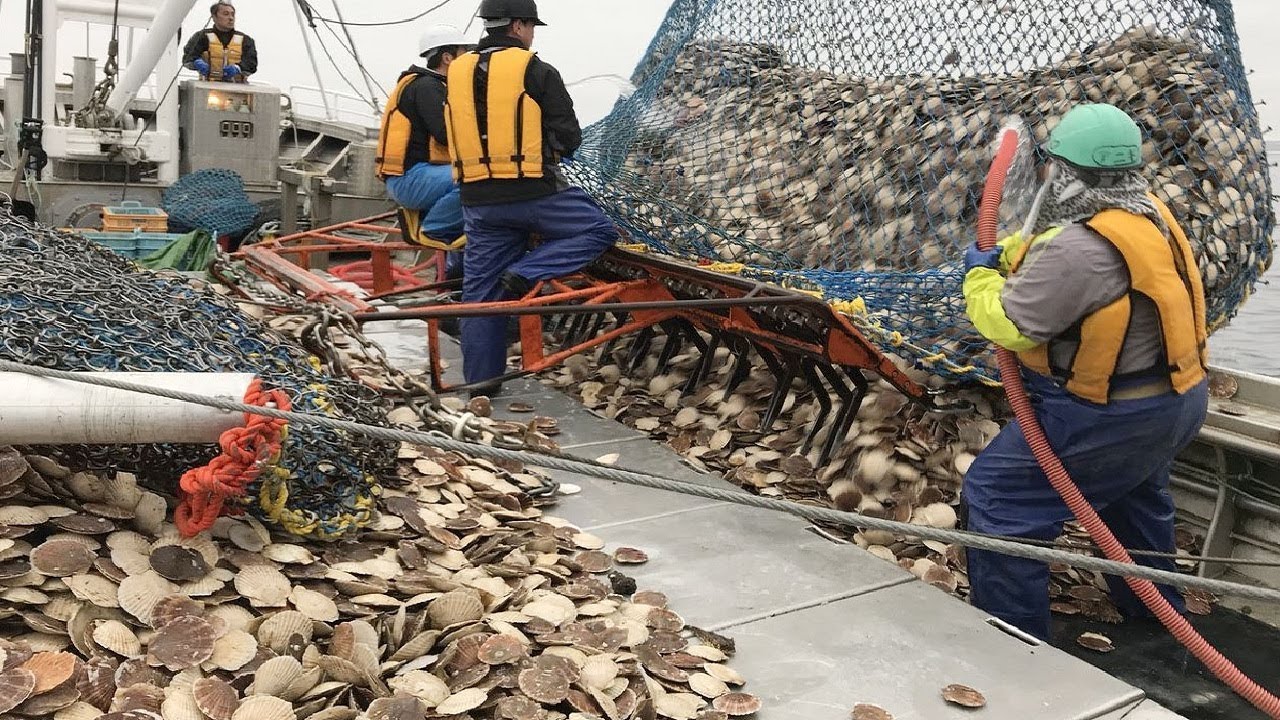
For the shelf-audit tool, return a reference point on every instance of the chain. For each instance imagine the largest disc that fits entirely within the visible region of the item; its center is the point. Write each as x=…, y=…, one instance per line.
x=70, y=304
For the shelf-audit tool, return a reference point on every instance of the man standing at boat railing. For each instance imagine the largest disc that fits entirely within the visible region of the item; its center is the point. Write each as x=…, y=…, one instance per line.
x=221, y=54
x=413, y=145
x=511, y=123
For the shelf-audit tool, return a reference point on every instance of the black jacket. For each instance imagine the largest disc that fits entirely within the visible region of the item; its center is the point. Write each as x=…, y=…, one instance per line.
x=199, y=43
x=423, y=103
x=561, y=135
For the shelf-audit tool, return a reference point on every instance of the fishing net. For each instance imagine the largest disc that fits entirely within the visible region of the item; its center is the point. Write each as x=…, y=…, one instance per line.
x=71, y=304
x=842, y=146
x=213, y=200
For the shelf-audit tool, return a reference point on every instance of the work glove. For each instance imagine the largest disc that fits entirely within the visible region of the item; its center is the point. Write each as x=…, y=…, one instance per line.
x=566, y=159
x=974, y=258
x=201, y=66
x=230, y=71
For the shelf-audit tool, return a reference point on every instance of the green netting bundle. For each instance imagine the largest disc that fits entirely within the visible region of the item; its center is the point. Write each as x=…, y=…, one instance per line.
x=844, y=144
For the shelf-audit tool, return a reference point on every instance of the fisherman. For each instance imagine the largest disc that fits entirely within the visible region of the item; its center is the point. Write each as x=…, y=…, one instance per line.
x=413, y=147
x=221, y=54
x=1105, y=309
x=511, y=122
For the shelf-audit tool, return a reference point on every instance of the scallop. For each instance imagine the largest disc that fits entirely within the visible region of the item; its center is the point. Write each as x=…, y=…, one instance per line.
x=314, y=605
x=216, y=699
x=139, y=594
x=263, y=586
x=263, y=707
x=422, y=685
x=274, y=676
x=455, y=607
x=117, y=637
x=278, y=629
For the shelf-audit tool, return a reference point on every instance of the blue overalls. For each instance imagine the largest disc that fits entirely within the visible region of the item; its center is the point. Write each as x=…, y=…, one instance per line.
x=1119, y=454
x=573, y=231
x=431, y=190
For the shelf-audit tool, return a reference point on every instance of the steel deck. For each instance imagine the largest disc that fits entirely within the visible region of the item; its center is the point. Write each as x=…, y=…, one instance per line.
x=820, y=626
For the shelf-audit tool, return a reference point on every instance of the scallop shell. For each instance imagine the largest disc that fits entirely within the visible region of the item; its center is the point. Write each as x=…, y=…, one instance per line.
x=396, y=708
x=263, y=586
x=630, y=556
x=422, y=685
x=679, y=706
x=724, y=673
x=863, y=711
x=117, y=637
x=314, y=605
x=93, y=589
x=60, y=558
x=598, y=672
x=707, y=686
x=131, y=561
x=277, y=629
x=172, y=607
x=737, y=703
x=180, y=705
x=544, y=685
x=139, y=594
x=457, y=606
x=149, y=513
x=1096, y=642
x=964, y=696
x=288, y=553
x=462, y=701
x=78, y=710
x=234, y=650
x=263, y=707
x=178, y=563
x=16, y=685
x=233, y=617
x=183, y=643
x=51, y=669
x=416, y=646
x=500, y=650
x=215, y=698
x=22, y=515
x=275, y=675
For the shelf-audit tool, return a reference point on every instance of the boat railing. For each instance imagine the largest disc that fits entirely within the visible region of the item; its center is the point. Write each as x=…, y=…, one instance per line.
x=332, y=104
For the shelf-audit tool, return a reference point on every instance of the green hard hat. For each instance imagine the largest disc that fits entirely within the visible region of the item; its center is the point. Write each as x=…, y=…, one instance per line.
x=1097, y=137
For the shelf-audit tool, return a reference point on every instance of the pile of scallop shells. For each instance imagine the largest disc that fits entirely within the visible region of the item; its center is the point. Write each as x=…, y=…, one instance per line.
x=896, y=462
x=856, y=173
x=463, y=600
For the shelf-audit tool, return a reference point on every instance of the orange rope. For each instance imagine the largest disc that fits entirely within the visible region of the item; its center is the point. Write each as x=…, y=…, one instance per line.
x=204, y=491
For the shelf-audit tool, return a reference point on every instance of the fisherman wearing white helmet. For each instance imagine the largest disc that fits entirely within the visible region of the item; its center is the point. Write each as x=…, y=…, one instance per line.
x=413, y=145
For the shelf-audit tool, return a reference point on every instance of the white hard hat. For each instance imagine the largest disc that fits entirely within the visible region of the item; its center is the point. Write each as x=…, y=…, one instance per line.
x=438, y=36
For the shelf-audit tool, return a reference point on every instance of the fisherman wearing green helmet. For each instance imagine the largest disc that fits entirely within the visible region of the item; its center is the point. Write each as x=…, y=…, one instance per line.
x=1105, y=308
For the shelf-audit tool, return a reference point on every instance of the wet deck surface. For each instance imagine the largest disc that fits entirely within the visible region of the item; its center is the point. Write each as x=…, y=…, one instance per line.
x=819, y=626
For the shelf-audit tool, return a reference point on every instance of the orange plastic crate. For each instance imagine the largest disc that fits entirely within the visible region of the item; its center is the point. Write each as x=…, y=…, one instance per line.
x=130, y=215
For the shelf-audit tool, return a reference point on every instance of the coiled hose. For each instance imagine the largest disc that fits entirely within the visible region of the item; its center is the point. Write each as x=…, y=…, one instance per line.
x=1010, y=376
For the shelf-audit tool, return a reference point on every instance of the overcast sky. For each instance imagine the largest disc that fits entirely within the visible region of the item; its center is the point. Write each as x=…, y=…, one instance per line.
x=584, y=38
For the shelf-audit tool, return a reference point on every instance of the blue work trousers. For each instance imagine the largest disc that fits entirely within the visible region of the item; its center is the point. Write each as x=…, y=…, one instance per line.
x=1119, y=455
x=430, y=189
x=572, y=231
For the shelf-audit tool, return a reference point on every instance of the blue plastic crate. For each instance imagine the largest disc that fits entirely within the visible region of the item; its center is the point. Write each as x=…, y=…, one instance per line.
x=132, y=245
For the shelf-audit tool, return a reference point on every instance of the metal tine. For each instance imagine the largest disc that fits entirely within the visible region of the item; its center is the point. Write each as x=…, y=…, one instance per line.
x=704, y=367
x=587, y=328
x=575, y=327
x=556, y=325
x=809, y=369
x=741, y=350
x=671, y=346
x=606, y=351
x=639, y=350
x=851, y=402
x=784, y=371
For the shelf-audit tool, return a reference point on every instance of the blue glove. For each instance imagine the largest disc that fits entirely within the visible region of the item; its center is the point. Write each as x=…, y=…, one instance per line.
x=566, y=159
x=230, y=71
x=201, y=66
x=973, y=257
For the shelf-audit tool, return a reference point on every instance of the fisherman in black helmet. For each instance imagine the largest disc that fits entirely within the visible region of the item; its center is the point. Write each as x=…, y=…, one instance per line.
x=511, y=123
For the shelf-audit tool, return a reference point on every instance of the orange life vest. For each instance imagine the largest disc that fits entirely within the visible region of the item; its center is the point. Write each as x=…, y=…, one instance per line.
x=510, y=145
x=397, y=129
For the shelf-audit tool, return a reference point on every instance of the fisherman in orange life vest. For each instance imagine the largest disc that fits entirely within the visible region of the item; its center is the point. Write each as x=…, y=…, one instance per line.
x=413, y=145
x=1105, y=307
x=221, y=54
x=511, y=124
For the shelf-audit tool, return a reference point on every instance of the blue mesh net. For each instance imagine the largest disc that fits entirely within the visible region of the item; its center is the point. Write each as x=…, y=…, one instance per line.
x=842, y=146
x=212, y=200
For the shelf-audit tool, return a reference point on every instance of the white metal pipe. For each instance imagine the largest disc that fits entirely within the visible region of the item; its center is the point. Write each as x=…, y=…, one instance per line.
x=315, y=69
x=160, y=37
x=48, y=411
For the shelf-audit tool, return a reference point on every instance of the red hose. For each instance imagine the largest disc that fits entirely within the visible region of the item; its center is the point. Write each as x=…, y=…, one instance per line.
x=1010, y=375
